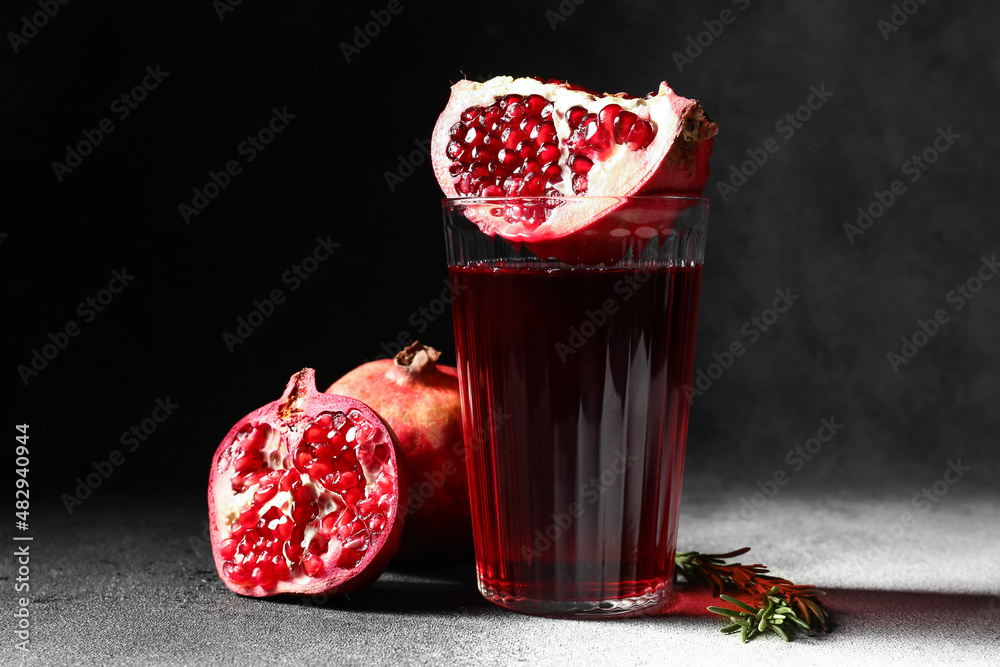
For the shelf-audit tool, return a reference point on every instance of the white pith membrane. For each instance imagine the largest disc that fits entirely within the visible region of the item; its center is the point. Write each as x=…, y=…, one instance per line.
x=619, y=168
x=290, y=511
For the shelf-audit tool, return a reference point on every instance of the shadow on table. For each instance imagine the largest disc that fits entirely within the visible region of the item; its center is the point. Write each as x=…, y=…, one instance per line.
x=855, y=611
x=415, y=589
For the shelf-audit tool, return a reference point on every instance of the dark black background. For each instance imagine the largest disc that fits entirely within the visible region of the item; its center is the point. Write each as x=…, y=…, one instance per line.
x=325, y=176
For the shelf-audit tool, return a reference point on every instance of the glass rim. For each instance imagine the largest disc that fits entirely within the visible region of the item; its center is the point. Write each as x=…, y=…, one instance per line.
x=523, y=198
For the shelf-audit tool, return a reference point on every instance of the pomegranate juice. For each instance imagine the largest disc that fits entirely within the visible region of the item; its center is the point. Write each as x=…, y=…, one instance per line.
x=575, y=427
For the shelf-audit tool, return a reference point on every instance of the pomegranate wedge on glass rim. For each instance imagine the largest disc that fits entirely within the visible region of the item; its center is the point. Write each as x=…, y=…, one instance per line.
x=544, y=141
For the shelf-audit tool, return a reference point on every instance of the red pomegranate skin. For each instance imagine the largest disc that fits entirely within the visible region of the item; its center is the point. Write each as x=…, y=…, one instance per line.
x=419, y=398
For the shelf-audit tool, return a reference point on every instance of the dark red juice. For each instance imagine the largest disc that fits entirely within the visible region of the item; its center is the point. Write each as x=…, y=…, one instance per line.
x=575, y=426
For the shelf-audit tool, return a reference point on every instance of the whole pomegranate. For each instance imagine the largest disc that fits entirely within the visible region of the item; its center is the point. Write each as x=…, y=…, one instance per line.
x=541, y=141
x=420, y=400
x=304, y=495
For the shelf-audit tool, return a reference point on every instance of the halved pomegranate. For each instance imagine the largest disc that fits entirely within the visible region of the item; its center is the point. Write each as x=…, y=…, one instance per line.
x=304, y=495
x=542, y=141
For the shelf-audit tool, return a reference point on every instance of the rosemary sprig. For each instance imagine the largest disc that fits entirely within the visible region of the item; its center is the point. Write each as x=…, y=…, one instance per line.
x=777, y=600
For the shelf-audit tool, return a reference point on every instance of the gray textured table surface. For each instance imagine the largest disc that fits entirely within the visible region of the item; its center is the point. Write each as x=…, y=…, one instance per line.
x=122, y=583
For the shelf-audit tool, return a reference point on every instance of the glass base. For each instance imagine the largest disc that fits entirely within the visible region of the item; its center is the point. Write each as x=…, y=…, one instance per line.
x=640, y=605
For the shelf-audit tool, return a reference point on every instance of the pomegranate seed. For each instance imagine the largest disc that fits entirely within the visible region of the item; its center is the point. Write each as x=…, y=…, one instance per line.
x=456, y=168
x=349, y=529
x=595, y=136
x=356, y=543
x=511, y=137
x=280, y=567
x=303, y=456
x=227, y=549
x=385, y=501
x=238, y=483
x=548, y=152
x=302, y=494
x=575, y=116
x=508, y=158
x=623, y=125
x=284, y=528
x=640, y=133
x=253, y=537
x=493, y=191
x=348, y=480
x=320, y=468
x=367, y=506
x=272, y=514
x=314, y=434
x=607, y=117
x=248, y=516
x=312, y=565
x=237, y=532
x=543, y=134
x=535, y=104
x=238, y=575
x=534, y=184
x=525, y=149
x=510, y=99
x=470, y=114
x=265, y=493
x=579, y=184
x=328, y=525
x=552, y=170
x=247, y=461
x=346, y=518
x=263, y=575
x=474, y=136
x=512, y=185
x=377, y=523
x=530, y=165
x=324, y=451
x=527, y=125
x=257, y=439
x=302, y=513
x=318, y=545
x=514, y=111
x=457, y=131
x=454, y=150
x=352, y=496
x=289, y=478
x=464, y=184
x=293, y=551
x=349, y=559
x=579, y=164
